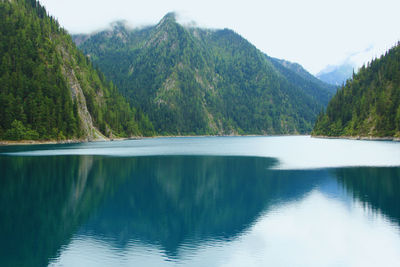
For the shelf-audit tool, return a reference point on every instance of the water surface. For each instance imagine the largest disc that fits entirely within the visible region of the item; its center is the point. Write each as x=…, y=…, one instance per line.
x=242, y=201
x=292, y=152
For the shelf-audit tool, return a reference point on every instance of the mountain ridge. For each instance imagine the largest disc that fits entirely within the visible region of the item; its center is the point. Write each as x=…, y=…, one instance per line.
x=191, y=80
x=336, y=75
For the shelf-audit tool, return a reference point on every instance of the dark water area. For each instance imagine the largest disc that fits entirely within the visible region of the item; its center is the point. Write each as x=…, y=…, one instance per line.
x=196, y=210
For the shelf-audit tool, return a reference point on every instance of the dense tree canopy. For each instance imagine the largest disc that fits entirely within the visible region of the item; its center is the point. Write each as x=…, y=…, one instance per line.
x=41, y=75
x=369, y=103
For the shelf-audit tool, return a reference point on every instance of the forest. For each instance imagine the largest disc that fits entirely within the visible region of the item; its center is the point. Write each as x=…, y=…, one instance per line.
x=368, y=105
x=48, y=87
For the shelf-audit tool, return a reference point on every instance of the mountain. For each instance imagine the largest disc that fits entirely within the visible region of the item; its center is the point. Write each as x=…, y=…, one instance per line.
x=48, y=89
x=199, y=81
x=298, y=76
x=369, y=104
x=336, y=75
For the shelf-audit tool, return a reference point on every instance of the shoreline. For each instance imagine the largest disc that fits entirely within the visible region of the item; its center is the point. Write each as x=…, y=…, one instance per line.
x=361, y=138
x=76, y=141
x=56, y=142
x=40, y=142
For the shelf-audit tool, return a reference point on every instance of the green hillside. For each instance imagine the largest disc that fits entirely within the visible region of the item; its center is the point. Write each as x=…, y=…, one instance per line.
x=369, y=104
x=197, y=81
x=48, y=89
x=320, y=91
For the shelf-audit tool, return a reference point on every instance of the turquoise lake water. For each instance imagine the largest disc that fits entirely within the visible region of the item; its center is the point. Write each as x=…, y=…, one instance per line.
x=201, y=201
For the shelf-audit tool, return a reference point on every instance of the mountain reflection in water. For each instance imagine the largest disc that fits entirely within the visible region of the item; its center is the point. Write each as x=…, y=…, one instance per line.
x=170, y=202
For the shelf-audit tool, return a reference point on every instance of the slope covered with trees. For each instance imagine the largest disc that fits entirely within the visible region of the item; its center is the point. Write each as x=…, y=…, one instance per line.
x=49, y=89
x=369, y=104
x=197, y=81
x=320, y=91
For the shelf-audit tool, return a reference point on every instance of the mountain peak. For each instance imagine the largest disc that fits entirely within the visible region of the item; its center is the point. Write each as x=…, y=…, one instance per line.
x=170, y=16
x=167, y=19
x=119, y=25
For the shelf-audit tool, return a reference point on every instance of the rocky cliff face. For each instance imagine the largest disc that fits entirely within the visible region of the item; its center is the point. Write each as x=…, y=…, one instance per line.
x=68, y=67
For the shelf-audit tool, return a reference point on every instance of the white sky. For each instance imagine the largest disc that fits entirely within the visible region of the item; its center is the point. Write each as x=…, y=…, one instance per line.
x=314, y=33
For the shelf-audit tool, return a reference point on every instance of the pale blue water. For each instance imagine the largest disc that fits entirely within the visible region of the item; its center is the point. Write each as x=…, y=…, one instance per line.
x=293, y=152
x=206, y=201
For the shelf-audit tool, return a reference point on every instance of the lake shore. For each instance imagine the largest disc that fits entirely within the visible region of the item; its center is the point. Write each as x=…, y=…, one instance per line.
x=55, y=142
x=75, y=141
x=365, y=138
x=40, y=142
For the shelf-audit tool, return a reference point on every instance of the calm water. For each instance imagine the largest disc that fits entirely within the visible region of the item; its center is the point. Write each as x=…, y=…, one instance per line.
x=208, y=201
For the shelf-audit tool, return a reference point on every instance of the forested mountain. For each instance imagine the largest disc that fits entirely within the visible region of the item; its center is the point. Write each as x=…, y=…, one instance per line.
x=336, y=75
x=298, y=76
x=49, y=89
x=369, y=104
x=197, y=81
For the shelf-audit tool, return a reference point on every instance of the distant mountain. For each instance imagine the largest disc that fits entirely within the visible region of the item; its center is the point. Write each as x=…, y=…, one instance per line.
x=49, y=89
x=369, y=104
x=197, y=81
x=336, y=75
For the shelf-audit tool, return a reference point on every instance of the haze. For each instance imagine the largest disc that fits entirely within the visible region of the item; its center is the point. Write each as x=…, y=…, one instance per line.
x=313, y=33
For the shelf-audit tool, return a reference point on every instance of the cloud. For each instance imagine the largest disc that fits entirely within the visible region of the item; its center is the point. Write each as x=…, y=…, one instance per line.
x=313, y=33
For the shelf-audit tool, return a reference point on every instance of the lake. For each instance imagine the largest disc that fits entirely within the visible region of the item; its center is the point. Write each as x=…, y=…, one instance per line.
x=201, y=201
